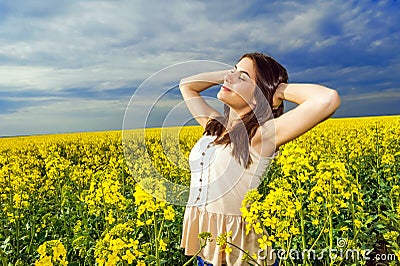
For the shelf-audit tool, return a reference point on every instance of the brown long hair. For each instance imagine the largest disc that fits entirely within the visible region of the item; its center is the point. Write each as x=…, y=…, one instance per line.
x=269, y=74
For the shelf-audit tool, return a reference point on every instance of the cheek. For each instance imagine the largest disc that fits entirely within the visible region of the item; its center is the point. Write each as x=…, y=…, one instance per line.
x=244, y=97
x=248, y=93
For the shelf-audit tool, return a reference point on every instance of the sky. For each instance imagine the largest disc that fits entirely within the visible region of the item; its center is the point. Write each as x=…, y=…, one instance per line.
x=73, y=66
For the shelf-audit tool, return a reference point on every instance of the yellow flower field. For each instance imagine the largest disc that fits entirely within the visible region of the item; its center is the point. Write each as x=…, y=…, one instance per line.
x=81, y=199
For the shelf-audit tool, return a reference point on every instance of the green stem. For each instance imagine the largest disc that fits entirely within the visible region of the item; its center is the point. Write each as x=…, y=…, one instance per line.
x=330, y=216
x=248, y=255
x=160, y=230
x=391, y=201
x=352, y=211
x=104, y=206
x=330, y=231
x=10, y=195
x=320, y=233
x=17, y=222
x=32, y=232
x=202, y=245
x=289, y=244
x=156, y=240
x=303, y=237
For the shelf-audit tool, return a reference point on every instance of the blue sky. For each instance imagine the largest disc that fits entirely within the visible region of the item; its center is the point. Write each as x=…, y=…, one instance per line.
x=69, y=66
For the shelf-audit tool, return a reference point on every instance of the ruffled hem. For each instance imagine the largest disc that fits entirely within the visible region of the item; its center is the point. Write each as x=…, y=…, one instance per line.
x=198, y=220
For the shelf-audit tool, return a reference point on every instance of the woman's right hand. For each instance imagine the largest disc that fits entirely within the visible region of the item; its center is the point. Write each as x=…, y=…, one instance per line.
x=278, y=96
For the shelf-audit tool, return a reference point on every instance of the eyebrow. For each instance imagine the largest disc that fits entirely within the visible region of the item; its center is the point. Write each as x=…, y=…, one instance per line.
x=242, y=71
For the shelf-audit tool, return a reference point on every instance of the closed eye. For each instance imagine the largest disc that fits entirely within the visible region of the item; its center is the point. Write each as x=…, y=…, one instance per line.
x=241, y=74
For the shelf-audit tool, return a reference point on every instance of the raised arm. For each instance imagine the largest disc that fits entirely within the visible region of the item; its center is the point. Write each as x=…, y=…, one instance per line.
x=192, y=86
x=315, y=104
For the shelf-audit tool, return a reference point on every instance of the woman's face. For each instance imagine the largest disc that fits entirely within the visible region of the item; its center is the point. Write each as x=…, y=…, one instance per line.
x=239, y=85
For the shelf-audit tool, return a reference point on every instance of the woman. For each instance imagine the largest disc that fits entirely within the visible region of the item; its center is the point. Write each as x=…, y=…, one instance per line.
x=236, y=148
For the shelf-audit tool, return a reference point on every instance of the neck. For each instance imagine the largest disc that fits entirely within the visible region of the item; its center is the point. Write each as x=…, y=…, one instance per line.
x=235, y=117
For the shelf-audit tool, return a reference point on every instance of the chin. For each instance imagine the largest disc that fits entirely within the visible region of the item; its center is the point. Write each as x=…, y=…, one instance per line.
x=221, y=97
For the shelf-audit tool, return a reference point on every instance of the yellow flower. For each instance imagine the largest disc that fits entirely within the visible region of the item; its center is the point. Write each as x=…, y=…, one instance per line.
x=141, y=263
x=59, y=251
x=357, y=223
x=264, y=242
x=42, y=249
x=139, y=223
x=391, y=235
x=223, y=238
x=228, y=249
x=294, y=230
x=315, y=222
x=112, y=259
x=129, y=257
x=44, y=261
x=344, y=228
x=397, y=253
x=257, y=228
x=100, y=261
x=110, y=219
x=169, y=213
x=388, y=159
x=272, y=238
x=162, y=245
x=325, y=165
x=284, y=235
x=117, y=244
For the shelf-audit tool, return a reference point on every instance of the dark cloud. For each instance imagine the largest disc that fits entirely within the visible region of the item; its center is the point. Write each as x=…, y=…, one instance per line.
x=96, y=53
x=369, y=107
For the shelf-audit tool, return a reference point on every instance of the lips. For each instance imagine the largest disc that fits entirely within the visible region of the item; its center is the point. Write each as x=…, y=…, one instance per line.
x=224, y=88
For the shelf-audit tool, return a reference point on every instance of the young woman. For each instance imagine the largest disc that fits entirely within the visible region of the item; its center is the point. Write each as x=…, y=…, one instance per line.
x=237, y=147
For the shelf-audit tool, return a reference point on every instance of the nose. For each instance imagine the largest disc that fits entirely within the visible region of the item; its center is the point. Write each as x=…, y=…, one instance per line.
x=230, y=77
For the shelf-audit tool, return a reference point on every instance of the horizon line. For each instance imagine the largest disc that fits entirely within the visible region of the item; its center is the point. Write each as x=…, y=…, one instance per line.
x=155, y=127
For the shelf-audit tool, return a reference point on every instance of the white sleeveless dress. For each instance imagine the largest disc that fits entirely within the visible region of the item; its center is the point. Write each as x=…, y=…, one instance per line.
x=218, y=186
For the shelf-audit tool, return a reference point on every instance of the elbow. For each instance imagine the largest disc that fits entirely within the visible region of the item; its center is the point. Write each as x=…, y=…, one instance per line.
x=334, y=100
x=181, y=84
x=331, y=102
x=184, y=84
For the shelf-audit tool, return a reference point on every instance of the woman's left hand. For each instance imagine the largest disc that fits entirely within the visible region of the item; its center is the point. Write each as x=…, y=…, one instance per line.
x=278, y=96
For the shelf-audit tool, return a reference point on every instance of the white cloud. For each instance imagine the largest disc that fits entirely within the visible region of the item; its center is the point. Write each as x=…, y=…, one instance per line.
x=106, y=45
x=392, y=94
x=60, y=115
x=383, y=102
